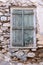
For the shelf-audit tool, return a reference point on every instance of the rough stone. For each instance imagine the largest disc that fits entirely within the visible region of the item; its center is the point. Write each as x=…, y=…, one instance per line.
x=4, y=51
x=34, y=64
x=12, y=50
x=41, y=63
x=4, y=28
x=6, y=24
x=1, y=56
x=19, y=63
x=26, y=51
x=0, y=31
x=7, y=58
x=1, y=38
x=34, y=49
x=40, y=42
x=19, y=53
x=4, y=63
x=0, y=23
x=6, y=35
x=29, y=64
x=31, y=54
x=41, y=54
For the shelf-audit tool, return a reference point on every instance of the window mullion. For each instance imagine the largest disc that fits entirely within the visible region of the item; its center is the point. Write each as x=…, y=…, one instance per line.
x=22, y=27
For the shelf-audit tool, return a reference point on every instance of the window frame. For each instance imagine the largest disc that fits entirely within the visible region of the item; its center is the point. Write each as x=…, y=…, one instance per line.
x=34, y=18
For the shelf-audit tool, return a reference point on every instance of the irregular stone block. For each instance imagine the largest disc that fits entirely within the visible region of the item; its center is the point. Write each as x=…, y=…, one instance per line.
x=1, y=56
x=41, y=55
x=4, y=28
x=26, y=51
x=0, y=31
x=1, y=38
x=35, y=64
x=5, y=63
x=41, y=63
x=0, y=23
x=6, y=24
x=31, y=54
x=40, y=46
x=40, y=42
x=12, y=50
x=6, y=35
x=33, y=49
x=19, y=53
x=19, y=63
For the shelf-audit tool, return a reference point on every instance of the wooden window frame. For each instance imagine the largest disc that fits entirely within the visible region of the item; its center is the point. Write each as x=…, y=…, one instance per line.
x=34, y=18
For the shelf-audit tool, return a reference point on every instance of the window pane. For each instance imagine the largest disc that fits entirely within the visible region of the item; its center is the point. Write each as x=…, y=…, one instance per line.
x=28, y=12
x=28, y=21
x=17, y=21
x=17, y=12
x=17, y=37
x=28, y=37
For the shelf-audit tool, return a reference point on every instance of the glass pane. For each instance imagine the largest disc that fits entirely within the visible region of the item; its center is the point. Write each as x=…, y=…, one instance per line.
x=17, y=21
x=28, y=21
x=17, y=37
x=28, y=12
x=17, y=11
x=28, y=37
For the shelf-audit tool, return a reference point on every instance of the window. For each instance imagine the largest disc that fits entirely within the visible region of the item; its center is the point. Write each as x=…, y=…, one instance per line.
x=23, y=28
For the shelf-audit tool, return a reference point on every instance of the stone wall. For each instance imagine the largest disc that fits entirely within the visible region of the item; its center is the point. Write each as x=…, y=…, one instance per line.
x=18, y=55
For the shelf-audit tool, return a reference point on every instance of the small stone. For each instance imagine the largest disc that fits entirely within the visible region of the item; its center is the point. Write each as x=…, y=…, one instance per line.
x=41, y=54
x=31, y=54
x=6, y=24
x=15, y=58
x=7, y=58
x=40, y=45
x=3, y=18
x=29, y=64
x=35, y=64
x=19, y=53
x=19, y=63
x=41, y=63
x=40, y=42
x=33, y=49
x=6, y=35
x=4, y=51
x=23, y=58
x=33, y=60
x=0, y=23
x=1, y=56
x=5, y=63
x=12, y=50
x=1, y=38
x=26, y=51
x=0, y=31
x=4, y=28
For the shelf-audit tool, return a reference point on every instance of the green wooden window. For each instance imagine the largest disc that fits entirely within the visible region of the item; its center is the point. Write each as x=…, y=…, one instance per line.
x=22, y=28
